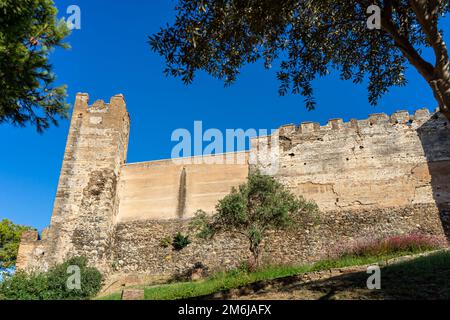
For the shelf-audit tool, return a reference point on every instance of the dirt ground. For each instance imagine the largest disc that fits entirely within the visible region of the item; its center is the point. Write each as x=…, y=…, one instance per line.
x=352, y=286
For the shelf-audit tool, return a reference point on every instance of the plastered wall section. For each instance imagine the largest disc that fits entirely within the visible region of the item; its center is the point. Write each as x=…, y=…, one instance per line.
x=157, y=190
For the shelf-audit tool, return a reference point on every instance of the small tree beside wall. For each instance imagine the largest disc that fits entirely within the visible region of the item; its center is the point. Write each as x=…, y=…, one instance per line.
x=260, y=205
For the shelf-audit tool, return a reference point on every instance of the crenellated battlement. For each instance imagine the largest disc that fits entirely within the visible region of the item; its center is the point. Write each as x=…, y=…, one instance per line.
x=115, y=104
x=372, y=123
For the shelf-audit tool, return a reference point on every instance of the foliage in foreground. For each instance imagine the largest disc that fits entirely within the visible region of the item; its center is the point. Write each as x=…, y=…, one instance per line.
x=10, y=235
x=29, y=31
x=53, y=285
x=310, y=39
x=421, y=278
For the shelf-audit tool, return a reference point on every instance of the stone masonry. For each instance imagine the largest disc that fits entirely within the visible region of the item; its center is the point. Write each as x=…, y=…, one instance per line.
x=383, y=176
x=86, y=204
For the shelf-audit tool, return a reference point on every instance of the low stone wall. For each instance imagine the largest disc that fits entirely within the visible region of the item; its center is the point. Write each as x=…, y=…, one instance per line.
x=138, y=247
x=28, y=243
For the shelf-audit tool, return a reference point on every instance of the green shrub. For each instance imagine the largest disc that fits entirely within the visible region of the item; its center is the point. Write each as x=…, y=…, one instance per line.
x=201, y=225
x=53, y=285
x=91, y=280
x=23, y=286
x=180, y=242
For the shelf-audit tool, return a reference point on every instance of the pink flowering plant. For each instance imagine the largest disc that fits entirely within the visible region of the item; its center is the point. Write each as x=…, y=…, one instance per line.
x=410, y=243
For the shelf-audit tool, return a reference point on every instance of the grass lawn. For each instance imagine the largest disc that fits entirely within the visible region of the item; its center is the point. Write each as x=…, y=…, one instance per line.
x=238, y=278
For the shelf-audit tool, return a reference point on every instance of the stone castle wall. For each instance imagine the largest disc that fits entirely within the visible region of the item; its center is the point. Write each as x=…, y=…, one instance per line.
x=380, y=176
x=383, y=161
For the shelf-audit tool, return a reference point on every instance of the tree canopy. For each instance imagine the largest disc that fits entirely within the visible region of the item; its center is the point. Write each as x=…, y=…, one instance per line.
x=310, y=38
x=29, y=31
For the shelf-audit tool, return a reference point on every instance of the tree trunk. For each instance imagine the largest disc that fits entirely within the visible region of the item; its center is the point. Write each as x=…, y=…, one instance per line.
x=438, y=75
x=255, y=250
x=441, y=90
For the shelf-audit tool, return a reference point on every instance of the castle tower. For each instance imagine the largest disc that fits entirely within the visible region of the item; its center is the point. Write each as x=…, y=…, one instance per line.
x=86, y=201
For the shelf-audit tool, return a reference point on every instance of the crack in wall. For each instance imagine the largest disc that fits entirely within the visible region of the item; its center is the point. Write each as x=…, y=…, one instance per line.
x=182, y=192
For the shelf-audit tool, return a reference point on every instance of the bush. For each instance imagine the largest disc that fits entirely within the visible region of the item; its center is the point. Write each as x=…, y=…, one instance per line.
x=201, y=225
x=91, y=280
x=52, y=285
x=180, y=242
x=23, y=286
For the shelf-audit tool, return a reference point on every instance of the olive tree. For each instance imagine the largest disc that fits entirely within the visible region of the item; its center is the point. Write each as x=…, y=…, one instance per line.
x=257, y=206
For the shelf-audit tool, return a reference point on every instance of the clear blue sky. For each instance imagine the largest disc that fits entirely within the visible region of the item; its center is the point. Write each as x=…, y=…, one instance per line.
x=110, y=55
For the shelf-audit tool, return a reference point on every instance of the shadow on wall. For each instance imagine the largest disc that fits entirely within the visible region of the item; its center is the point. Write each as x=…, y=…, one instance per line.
x=434, y=135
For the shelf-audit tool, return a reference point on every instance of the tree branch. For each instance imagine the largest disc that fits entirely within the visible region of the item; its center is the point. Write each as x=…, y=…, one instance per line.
x=425, y=68
x=428, y=21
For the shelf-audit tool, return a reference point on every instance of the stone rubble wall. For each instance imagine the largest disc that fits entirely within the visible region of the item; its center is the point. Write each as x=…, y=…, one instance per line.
x=138, y=248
